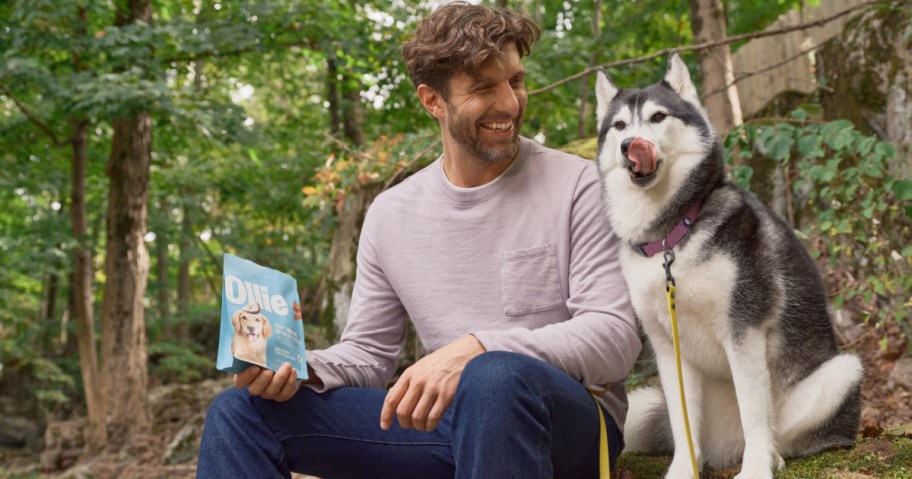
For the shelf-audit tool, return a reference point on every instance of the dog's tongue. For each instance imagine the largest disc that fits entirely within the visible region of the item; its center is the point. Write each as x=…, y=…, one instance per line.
x=643, y=155
x=252, y=337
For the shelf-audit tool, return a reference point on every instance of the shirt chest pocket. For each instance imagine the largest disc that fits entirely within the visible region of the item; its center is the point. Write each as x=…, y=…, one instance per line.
x=530, y=280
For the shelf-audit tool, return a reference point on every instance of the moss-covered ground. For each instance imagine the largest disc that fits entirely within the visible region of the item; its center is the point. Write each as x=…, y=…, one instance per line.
x=883, y=455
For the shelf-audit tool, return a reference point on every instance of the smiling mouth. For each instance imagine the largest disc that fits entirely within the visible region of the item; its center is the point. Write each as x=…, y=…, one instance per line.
x=252, y=337
x=500, y=126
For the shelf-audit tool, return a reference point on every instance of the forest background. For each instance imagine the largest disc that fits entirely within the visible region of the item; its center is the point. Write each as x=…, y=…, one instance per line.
x=142, y=139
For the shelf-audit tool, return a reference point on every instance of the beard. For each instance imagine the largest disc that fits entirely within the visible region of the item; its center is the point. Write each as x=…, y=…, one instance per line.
x=464, y=131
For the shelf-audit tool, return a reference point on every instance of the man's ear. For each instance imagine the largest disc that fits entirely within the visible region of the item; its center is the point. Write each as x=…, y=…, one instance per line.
x=432, y=100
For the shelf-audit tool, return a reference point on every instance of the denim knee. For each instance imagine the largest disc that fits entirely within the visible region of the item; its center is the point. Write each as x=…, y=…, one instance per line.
x=229, y=405
x=501, y=371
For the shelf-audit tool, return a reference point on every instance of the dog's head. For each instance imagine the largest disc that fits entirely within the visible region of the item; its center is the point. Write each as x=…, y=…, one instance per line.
x=250, y=324
x=654, y=135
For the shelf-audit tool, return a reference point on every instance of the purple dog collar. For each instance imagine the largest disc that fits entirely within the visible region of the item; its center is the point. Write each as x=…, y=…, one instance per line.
x=678, y=232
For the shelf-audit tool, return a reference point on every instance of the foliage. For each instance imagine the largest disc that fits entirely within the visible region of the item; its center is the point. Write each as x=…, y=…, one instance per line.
x=380, y=162
x=175, y=360
x=855, y=214
x=246, y=158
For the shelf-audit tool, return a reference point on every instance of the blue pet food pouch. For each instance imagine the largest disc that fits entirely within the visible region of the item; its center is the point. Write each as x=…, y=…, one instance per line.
x=258, y=319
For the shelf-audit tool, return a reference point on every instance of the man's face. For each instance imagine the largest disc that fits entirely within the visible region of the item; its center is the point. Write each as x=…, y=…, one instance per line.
x=485, y=110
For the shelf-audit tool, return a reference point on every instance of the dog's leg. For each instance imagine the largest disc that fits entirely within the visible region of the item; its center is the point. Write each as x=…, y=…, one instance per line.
x=693, y=386
x=753, y=388
x=806, y=415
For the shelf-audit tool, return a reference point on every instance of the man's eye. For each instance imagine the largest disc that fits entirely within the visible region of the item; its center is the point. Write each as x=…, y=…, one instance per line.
x=657, y=117
x=620, y=125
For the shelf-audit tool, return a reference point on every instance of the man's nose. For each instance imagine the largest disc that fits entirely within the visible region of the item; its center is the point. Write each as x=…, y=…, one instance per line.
x=507, y=99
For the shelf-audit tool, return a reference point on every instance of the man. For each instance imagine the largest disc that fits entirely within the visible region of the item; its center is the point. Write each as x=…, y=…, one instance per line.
x=501, y=256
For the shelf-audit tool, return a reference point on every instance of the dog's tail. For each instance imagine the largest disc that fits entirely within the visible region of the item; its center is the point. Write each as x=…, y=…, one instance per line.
x=823, y=409
x=648, y=429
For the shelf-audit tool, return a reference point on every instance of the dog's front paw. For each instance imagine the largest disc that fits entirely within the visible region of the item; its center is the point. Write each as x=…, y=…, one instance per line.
x=754, y=475
x=680, y=469
x=761, y=468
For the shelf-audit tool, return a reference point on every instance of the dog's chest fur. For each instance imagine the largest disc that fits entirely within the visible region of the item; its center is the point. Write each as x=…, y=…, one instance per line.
x=703, y=294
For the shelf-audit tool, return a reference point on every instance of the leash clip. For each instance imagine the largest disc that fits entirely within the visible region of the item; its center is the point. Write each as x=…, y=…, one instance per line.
x=669, y=256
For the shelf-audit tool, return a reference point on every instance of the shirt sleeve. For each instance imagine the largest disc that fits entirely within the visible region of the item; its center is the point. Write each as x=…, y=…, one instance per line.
x=368, y=351
x=599, y=344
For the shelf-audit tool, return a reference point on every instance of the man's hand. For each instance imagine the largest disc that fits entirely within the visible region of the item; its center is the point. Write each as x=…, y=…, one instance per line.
x=279, y=386
x=426, y=389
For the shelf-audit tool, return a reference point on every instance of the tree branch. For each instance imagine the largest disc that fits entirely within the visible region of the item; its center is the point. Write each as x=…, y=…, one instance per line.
x=704, y=45
x=32, y=118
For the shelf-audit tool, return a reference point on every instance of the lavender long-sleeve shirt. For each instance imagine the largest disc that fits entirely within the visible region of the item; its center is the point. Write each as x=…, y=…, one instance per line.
x=526, y=263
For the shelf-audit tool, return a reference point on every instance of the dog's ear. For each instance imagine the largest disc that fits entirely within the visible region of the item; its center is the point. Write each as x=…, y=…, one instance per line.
x=605, y=91
x=267, y=329
x=236, y=321
x=678, y=78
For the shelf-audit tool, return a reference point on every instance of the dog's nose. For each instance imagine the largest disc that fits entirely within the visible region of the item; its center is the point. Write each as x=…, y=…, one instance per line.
x=625, y=145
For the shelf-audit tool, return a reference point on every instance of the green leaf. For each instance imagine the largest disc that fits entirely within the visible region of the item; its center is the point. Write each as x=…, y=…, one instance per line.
x=877, y=285
x=779, y=146
x=837, y=301
x=903, y=189
x=864, y=146
x=253, y=156
x=808, y=146
x=885, y=148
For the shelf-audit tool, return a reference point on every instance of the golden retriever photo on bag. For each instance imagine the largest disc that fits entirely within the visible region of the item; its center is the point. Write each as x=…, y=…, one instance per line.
x=251, y=330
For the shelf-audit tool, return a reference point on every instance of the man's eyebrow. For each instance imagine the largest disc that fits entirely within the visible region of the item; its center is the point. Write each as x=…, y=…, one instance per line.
x=480, y=80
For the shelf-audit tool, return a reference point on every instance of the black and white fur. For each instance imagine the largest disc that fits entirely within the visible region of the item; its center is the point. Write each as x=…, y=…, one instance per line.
x=762, y=374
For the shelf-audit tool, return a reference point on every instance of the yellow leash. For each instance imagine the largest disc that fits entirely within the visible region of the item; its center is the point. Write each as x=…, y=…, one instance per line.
x=672, y=311
x=604, y=463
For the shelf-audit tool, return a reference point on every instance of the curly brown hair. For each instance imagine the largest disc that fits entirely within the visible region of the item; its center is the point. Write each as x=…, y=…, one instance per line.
x=461, y=37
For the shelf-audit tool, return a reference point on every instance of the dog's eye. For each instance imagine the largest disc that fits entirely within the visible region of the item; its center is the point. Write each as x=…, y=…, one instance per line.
x=657, y=117
x=620, y=125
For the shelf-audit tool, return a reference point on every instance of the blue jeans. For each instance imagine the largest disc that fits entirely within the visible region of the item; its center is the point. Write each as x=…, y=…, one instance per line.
x=512, y=417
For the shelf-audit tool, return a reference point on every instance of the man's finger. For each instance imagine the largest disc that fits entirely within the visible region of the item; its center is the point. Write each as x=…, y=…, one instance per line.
x=406, y=407
x=278, y=381
x=391, y=403
x=419, y=415
x=260, y=383
x=436, y=414
x=245, y=377
x=290, y=387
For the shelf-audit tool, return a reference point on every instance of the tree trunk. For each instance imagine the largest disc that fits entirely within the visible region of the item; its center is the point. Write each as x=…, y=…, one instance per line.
x=339, y=278
x=83, y=299
x=50, y=307
x=123, y=328
x=161, y=273
x=332, y=95
x=707, y=19
x=183, y=276
x=352, y=111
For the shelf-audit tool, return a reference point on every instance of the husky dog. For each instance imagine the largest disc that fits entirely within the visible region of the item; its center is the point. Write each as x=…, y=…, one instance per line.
x=762, y=376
